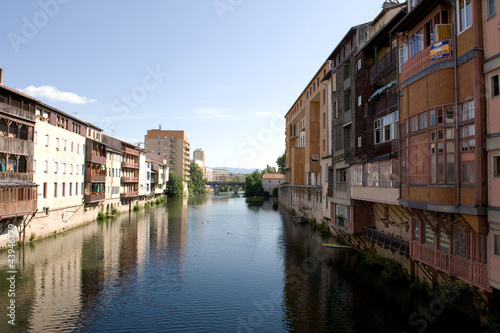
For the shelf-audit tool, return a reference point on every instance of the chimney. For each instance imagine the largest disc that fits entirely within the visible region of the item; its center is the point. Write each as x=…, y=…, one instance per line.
x=160, y=127
x=1, y=76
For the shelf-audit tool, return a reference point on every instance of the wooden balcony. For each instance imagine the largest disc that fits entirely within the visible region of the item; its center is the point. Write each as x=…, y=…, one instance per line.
x=129, y=194
x=465, y=269
x=130, y=165
x=386, y=103
x=423, y=60
x=17, y=208
x=383, y=66
x=94, y=197
x=130, y=179
x=16, y=146
x=94, y=178
x=17, y=177
x=96, y=159
x=127, y=150
x=18, y=113
x=387, y=241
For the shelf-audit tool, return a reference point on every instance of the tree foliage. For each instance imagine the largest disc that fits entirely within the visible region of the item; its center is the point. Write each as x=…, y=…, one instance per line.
x=269, y=169
x=253, y=184
x=196, y=182
x=175, y=188
x=281, y=162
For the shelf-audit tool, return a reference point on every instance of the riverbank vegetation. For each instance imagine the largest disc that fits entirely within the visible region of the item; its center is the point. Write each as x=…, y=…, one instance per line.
x=197, y=182
x=175, y=188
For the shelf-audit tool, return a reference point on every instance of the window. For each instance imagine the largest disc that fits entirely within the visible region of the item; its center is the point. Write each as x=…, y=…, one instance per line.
x=423, y=120
x=464, y=14
x=76, y=188
x=491, y=7
x=416, y=43
x=429, y=238
x=359, y=64
x=56, y=167
x=496, y=166
x=460, y=242
x=55, y=190
x=468, y=142
x=44, y=190
x=444, y=241
x=64, y=144
x=469, y=173
x=495, y=90
x=385, y=128
x=432, y=116
x=64, y=168
x=496, y=245
x=46, y=140
x=63, y=189
x=403, y=56
x=34, y=165
x=359, y=100
x=35, y=136
x=57, y=143
x=467, y=109
x=46, y=166
x=71, y=146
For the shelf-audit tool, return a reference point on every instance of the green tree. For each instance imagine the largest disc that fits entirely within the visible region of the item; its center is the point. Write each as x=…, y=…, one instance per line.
x=253, y=184
x=196, y=182
x=175, y=188
x=269, y=169
x=281, y=162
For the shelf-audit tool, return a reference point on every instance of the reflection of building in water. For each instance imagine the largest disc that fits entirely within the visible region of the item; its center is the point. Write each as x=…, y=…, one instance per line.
x=56, y=268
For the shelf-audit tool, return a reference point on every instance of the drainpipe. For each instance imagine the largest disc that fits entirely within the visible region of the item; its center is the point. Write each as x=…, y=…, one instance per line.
x=399, y=117
x=457, y=129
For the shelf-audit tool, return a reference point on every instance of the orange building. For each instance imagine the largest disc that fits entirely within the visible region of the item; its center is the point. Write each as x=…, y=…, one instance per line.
x=491, y=23
x=442, y=117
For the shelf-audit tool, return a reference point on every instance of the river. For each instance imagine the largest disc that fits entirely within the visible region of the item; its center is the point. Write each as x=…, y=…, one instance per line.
x=206, y=264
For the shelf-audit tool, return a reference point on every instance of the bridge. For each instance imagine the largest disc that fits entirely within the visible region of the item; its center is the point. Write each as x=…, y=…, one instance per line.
x=217, y=185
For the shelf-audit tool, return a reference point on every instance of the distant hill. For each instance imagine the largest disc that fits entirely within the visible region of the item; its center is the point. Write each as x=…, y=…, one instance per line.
x=237, y=170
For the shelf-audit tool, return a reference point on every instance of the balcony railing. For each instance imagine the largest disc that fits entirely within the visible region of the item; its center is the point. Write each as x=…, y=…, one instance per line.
x=130, y=179
x=129, y=194
x=423, y=59
x=130, y=151
x=94, y=178
x=17, y=207
x=469, y=271
x=390, y=242
x=16, y=177
x=96, y=159
x=382, y=64
x=387, y=102
x=13, y=111
x=130, y=165
x=94, y=197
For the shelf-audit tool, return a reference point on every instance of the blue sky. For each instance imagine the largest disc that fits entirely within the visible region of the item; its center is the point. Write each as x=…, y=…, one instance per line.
x=225, y=71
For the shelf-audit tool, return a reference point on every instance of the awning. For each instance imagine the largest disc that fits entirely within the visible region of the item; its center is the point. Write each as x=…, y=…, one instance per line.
x=381, y=90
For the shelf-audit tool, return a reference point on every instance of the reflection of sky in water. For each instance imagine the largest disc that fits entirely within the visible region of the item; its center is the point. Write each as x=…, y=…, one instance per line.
x=214, y=265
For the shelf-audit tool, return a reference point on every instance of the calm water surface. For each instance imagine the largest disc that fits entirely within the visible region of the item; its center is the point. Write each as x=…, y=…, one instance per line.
x=210, y=264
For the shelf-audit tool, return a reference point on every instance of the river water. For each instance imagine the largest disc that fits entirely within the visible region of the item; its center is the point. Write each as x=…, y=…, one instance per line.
x=207, y=264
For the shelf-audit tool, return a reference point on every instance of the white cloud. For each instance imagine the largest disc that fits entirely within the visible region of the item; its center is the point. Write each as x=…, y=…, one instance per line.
x=212, y=113
x=53, y=94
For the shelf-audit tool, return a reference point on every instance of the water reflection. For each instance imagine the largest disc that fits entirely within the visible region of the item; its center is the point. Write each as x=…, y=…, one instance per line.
x=211, y=264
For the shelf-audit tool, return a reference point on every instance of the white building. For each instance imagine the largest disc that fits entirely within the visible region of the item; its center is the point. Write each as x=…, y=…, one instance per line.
x=271, y=181
x=59, y=162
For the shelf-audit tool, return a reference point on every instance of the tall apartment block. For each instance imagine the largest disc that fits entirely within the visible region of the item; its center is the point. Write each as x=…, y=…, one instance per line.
x=18, y=192
x=174, y=145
